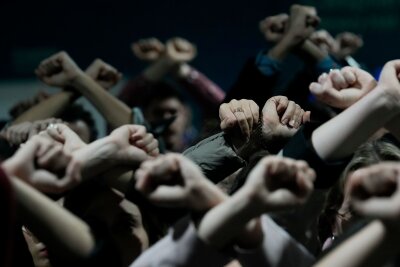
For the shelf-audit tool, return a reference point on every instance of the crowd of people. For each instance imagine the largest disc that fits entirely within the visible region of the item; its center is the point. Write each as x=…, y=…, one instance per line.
x=193, y=175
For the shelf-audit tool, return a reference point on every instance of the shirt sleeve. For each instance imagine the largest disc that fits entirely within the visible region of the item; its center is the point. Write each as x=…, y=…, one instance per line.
x=256, y=80
x=278, y=249
x=208, y=95
x=133, y=91
x=266, y=65
x=181, y=247
x=215, y=157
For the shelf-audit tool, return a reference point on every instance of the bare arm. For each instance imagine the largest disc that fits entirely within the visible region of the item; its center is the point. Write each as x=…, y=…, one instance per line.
x=65, y=234
x=60, y=70
x=361, y=120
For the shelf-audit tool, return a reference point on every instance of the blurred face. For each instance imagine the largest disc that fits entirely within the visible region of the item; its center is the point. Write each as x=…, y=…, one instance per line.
x=165, y=109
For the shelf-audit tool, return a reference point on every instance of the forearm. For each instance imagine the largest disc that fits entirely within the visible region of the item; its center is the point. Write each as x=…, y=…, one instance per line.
x=278, y=249
x=51, y=107
x=200, y=87
x=222, y=224
x=311, y=52
x=63, y=233
x=156, y=71
x=114, y=111
x=372, y=246
x=340, y=136
x=282, y=49
x=96, y=158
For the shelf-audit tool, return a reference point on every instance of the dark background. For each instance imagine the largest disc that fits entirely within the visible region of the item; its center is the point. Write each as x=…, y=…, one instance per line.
x=226, y=32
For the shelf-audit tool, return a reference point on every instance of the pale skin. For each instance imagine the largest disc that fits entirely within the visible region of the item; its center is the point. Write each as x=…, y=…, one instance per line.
x=63, y=233
x=298, y=26
x=104, y=74
x=374, y=193
x=173, y=56
x=274, y=184
x=61, y=71
x=362, y=119
x=281, y=117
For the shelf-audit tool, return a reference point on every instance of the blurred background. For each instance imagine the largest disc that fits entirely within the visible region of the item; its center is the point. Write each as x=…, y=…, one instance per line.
x=225, y=32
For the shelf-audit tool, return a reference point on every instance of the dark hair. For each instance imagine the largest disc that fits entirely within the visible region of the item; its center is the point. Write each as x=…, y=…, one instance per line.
x=76, y=112
x=158, y=92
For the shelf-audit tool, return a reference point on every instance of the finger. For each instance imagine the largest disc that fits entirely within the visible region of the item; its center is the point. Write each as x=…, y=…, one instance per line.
x=247, y=113
x=338, y=80
x=47, y=158
x=243, y=124
x=349, y=75
x=255, y=110
x=281, y=103
x=147, y=139
x=289, y=114
x=155, y=152
x=152, y=146
x=297, y=117
x=228, y=119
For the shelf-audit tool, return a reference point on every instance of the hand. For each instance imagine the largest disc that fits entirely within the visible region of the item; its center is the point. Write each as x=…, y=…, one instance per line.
x=47, y=154
x=282, y=118
x=302, y=23
x=243, y=114
x=58, y=70
x=348, y=44
x=173, y=180
x=20, y=133
x=149, y=49
x=104, y=74
x=135, y=142
x=64, y=135
x=324, y=41
x=375, y=191
x=273, y=27
x=278, y=183
x=342, y=88
x=389, y=81
x=179, y=50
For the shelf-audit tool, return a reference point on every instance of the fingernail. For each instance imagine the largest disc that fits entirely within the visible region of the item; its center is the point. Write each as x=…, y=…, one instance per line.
x=292, y=122
x=285, y=121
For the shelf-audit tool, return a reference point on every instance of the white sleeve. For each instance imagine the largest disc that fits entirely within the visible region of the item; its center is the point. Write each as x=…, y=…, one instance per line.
x=181, y=247
x=278, y=249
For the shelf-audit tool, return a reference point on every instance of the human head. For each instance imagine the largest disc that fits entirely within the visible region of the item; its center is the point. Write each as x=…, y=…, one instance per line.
x=162, y=102
x=337, y=215
x=80, y=121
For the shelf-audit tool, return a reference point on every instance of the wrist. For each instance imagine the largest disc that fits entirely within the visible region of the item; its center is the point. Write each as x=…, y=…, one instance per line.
x=183, y=70
x=78, y=80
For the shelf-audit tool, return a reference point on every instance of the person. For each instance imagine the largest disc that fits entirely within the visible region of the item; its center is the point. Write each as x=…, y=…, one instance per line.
x=373, y=191
x=266, y=189
x=161, y=102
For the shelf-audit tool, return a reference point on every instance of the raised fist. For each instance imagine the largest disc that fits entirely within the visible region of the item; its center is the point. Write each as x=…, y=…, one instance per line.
x=273, y=27
x=104, y=74
x=58, y=70
x=180, y=50
x=149, y=49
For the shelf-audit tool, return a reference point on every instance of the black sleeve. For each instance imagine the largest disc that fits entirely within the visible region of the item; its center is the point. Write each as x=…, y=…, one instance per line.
x=252, y=84
x=301, y=148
